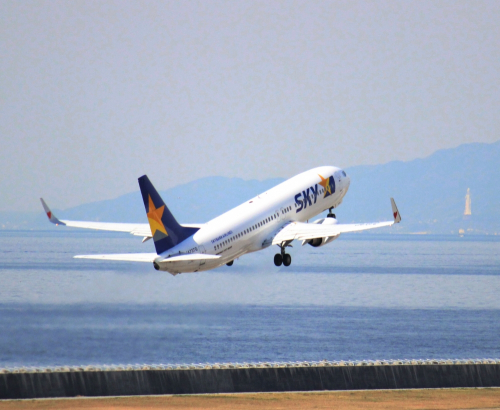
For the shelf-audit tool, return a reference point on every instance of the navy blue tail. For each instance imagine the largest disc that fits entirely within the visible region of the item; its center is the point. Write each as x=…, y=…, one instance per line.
x=165, y=229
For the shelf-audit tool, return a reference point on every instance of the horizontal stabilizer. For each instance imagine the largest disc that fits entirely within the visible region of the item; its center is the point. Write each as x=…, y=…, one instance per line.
x=130, y=257
x=148, y=257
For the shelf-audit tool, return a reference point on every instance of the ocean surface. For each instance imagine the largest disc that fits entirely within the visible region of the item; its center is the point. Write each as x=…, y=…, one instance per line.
x=362, y=297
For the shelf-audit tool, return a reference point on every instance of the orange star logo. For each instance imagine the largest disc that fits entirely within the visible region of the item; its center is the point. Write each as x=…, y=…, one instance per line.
x=154, y=218
x=325, y=183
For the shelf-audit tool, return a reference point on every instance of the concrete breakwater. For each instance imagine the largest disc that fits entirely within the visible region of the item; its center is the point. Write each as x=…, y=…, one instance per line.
x=260, y=377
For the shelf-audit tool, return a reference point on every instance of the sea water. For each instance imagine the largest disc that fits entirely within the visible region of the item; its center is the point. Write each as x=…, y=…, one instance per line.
x=361, y=297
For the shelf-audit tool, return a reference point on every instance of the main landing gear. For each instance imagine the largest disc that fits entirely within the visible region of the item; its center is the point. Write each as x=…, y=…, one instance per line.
x=282, y=258
x=230, y=263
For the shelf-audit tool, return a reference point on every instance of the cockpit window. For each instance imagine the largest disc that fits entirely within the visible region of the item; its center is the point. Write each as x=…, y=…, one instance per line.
x=343, y=173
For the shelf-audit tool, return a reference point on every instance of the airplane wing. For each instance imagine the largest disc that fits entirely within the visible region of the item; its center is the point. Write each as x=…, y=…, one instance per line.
x=143, y=230
x=304, y=231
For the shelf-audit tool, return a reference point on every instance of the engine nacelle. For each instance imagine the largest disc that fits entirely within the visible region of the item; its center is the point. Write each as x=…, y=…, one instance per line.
x=317, y=242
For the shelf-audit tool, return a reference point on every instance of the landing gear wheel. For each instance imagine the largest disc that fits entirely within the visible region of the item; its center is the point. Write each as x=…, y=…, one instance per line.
x=331, y=214
x=230, y=263
x=287, y=259
x=278, y=259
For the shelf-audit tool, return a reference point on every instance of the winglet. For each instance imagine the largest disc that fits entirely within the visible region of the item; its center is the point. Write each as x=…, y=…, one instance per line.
x=395, y=212
x=50, y=215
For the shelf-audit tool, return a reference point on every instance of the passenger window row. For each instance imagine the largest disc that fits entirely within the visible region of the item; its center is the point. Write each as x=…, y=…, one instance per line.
x=247, y=231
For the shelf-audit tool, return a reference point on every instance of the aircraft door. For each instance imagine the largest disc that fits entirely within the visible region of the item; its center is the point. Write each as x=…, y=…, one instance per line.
x=282, y=214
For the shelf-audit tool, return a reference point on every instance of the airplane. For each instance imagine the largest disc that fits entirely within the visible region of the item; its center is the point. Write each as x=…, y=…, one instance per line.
x=276, y=217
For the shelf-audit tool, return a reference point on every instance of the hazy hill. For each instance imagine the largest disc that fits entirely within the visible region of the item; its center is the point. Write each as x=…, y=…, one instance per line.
x=430, y=193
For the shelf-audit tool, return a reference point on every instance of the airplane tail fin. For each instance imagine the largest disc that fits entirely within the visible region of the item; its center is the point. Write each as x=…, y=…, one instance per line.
x=166, y=231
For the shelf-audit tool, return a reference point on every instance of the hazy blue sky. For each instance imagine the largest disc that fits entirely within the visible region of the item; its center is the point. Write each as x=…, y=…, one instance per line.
x=95, y=94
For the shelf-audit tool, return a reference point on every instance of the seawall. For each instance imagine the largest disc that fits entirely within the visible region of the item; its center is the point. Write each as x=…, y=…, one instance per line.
x=151, y=380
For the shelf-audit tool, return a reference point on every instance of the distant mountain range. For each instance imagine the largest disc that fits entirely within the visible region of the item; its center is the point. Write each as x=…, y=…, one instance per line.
x=430, y=194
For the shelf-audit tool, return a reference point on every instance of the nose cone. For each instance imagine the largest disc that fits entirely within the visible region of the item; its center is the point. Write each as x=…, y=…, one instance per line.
x=346, y=180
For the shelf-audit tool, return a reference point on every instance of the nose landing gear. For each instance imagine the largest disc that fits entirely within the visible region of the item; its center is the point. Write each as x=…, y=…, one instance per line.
x=282, y=258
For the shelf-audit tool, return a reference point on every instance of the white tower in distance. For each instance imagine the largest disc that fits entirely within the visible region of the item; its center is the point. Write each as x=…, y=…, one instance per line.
x=467, y=203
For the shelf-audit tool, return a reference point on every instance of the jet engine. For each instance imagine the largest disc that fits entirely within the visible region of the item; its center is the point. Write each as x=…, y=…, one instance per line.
x=317, y=242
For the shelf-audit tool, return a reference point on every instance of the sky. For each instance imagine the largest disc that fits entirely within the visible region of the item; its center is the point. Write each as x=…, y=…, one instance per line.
x=95, y=94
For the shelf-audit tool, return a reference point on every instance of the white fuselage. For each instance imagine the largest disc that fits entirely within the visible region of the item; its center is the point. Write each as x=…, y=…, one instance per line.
x=252, y=225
